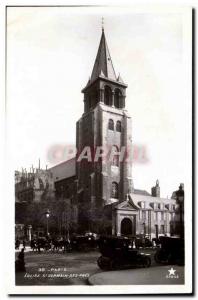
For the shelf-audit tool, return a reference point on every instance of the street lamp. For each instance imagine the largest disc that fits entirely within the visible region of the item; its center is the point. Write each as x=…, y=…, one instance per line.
x=144, y=228
x=180, y=201
x=47, y=214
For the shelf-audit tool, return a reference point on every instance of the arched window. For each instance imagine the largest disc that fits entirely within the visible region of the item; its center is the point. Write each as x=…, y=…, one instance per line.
x=114, y=190
x=118, y=98
x=111, y=124
x=118, y=126
x=107, y=96
x=114, y=156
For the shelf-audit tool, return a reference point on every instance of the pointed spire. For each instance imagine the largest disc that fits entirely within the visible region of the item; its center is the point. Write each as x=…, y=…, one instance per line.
x=88, y=82
x=103, y=63
x=119, y=79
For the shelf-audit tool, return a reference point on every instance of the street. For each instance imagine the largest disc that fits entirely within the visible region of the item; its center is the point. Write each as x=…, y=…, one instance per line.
x=44, y=268
x=153, y=275
x=75, y=268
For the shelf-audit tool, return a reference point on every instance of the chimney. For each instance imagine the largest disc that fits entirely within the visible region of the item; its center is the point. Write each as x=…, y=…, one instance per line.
x=181, y=186
x=155, y=190
x=32, y=169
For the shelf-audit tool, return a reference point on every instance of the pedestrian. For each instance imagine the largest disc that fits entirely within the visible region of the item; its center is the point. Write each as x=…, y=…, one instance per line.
x=24, y=244
x=20, y=262
x=17, y=244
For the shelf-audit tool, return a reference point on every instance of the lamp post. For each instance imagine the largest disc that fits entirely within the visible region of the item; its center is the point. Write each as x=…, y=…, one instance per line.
x=180, y=201
x=47, y=214
x=144, y=229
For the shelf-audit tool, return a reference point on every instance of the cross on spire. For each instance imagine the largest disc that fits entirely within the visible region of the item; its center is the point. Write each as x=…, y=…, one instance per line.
x=102, y=24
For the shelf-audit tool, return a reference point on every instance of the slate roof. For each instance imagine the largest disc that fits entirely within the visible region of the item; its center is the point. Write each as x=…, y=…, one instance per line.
x=64, y=170
x=103, y=65
x=141, y=192
x=150, y=199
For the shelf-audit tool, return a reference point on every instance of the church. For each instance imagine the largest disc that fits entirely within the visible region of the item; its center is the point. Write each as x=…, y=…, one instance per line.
x=100, y=192
x=103, y=196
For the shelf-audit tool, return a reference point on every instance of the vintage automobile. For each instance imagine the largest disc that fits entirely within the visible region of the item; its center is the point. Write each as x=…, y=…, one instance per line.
x=142, y=242
x=83, y=242
x=118, y=253
x=171, y=251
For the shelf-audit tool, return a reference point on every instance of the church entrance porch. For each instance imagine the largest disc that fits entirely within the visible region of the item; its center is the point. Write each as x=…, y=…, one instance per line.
x=125, y=218
x=126, y=223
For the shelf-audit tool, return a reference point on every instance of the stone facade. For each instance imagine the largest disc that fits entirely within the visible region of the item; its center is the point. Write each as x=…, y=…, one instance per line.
x=149, y=216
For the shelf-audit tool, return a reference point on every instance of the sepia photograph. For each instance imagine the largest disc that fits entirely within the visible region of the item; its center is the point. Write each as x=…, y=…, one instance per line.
x=99, y=138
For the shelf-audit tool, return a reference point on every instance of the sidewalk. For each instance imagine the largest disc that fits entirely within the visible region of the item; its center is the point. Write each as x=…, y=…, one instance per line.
x=27, y=249
x=152, y=275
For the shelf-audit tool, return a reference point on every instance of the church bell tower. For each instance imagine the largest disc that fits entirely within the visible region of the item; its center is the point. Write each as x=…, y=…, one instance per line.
x=104, y=128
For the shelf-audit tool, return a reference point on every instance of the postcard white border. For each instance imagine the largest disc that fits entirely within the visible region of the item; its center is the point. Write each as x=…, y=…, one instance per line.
x=8, y=194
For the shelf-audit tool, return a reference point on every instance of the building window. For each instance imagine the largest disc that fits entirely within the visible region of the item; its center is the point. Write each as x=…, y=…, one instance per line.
x=118, y=126
x=111, y=125
x=144, y=215
x=114, y=190
x=162, y=229
x=155, y=205
x=155, y=216
x=107, y=96
x=162, y=216
x=144, y=228
x=162, y=205
x=115, y=156
x=156, y=231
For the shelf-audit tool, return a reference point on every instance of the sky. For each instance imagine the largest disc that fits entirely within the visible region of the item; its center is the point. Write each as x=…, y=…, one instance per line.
x=50, y=56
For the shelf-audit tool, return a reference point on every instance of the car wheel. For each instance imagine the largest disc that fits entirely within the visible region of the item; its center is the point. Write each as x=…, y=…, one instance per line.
x=104, y=263
x=147, y=262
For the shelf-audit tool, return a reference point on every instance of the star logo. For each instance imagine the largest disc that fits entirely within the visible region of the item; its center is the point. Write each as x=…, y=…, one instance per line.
x=171, y=272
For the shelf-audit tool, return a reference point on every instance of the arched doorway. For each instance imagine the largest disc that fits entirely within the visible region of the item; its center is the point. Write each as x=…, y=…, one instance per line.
x=126, y=226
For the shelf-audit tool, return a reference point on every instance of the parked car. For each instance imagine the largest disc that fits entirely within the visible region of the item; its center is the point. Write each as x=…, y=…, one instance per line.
x=83, y=242
x=143, y=242
x=118, y=253
x=171, y=251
